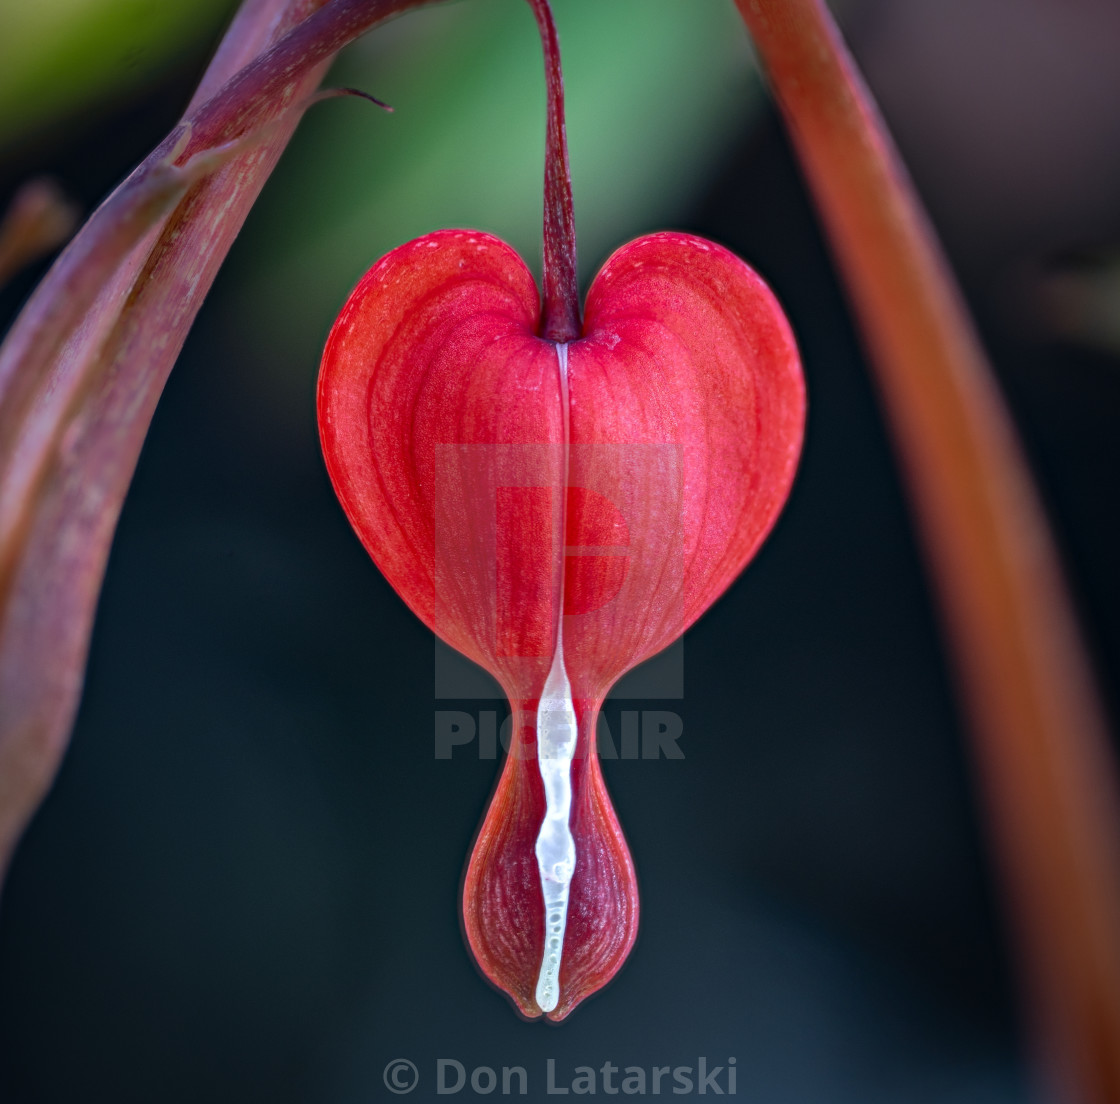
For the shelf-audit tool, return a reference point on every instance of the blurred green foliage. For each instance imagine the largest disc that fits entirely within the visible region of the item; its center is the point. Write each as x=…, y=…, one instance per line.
x=59, y=54
x=656, y=89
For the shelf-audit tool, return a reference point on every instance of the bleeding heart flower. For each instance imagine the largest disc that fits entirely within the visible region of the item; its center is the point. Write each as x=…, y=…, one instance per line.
x=559, y=502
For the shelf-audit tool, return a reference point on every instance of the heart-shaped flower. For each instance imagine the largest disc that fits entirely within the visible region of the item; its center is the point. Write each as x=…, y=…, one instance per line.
x=559, y=504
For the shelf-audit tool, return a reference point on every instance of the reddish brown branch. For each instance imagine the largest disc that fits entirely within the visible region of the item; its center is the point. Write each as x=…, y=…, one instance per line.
x=1041, y=741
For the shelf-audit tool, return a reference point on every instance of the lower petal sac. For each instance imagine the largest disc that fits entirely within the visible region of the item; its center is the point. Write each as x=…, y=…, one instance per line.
x=503, y=903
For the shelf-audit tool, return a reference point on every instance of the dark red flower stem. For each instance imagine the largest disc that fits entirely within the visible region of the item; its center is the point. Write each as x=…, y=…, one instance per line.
x=560, y=321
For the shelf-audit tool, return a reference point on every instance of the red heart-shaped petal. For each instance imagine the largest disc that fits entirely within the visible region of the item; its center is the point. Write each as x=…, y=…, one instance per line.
x=559, y=513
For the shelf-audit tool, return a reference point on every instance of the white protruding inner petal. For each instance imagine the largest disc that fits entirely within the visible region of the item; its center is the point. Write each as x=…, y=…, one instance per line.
x=556, y=848
x=556, y=747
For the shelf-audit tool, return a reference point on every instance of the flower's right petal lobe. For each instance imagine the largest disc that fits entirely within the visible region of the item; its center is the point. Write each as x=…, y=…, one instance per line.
x=687, y=416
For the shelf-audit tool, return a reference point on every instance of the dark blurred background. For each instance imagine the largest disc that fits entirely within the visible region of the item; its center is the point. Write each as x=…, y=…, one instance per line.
x=244, y=884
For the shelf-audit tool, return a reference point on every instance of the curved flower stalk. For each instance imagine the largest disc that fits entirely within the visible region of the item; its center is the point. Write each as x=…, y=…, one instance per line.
x=559, y=500
x=83, y=366
x=1041, y=740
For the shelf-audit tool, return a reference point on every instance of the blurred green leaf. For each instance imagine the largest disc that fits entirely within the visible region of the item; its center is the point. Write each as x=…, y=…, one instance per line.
x=55, y=54
x=655, y=89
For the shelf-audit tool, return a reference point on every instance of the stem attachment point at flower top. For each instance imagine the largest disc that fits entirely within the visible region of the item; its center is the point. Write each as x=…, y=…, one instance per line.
x=560, y=319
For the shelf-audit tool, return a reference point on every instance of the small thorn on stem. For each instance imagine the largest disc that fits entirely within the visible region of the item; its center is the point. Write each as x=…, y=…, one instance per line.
x=206, y=161
x=334, y=93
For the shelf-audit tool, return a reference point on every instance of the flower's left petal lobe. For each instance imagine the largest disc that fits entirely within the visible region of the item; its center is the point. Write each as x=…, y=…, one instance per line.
x=441, y=424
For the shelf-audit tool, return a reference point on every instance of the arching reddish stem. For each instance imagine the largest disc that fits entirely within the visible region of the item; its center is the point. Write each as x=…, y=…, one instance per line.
x=82, y=367
x=1040, y=733
x=560, y=321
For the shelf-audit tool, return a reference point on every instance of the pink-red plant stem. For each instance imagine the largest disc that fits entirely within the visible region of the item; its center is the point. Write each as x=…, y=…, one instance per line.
x=561, y=317
x=83, y=366
x=1040, y=737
